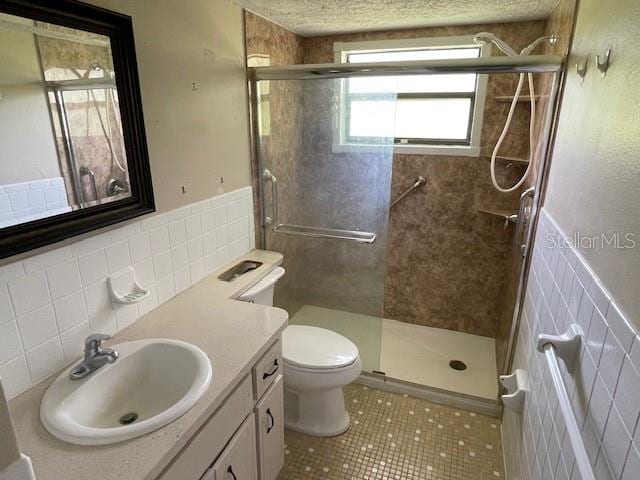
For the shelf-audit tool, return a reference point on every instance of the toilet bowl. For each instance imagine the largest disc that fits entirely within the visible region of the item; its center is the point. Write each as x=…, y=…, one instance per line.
x=318, y=364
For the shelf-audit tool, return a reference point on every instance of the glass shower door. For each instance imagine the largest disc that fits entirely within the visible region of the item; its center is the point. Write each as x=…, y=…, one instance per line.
x=325, y=202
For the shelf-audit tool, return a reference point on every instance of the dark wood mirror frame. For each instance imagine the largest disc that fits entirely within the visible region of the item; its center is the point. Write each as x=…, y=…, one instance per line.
x=119, y=28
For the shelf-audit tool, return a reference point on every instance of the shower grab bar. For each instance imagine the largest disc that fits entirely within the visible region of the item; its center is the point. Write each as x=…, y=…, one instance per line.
x=307, y=231
x=267, y=175
x=567, y=347
x=419, y=182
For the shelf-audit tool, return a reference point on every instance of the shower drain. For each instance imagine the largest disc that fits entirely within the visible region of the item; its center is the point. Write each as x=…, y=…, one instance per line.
x=128, y=418
x=458, y=365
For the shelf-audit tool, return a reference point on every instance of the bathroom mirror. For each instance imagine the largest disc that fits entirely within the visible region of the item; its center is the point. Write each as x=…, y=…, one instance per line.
x=73, y=154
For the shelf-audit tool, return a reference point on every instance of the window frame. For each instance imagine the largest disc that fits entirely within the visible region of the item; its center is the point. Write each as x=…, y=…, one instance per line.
x=467, y=147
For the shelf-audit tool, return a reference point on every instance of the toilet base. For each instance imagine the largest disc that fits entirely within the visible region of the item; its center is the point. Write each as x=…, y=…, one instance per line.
x=319, y=413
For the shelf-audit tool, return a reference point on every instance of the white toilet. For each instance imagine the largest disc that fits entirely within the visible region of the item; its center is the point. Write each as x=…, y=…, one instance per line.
x=318, y=363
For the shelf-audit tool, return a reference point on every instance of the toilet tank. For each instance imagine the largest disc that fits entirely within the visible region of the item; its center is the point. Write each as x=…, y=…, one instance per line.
x=262, y=292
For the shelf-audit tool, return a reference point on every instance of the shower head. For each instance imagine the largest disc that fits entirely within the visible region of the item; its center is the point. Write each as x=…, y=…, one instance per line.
x=487, y=37
x=552, y=39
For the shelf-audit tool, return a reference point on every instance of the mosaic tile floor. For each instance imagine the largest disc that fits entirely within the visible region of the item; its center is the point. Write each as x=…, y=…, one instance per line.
x=396, y=437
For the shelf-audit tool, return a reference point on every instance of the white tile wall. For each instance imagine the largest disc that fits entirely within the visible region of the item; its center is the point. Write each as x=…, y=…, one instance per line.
x=50, y=302
x=23, y=202
x=604, y=387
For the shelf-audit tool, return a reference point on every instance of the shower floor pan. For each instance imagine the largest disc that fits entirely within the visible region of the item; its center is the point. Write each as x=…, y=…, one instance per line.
x=414, y=353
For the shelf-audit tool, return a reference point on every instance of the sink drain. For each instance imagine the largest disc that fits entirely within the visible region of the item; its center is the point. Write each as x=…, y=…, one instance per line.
x=458, y=365
x=128, y=418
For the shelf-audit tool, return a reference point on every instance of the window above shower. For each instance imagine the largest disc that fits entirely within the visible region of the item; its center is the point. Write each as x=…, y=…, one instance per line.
x=421, y=114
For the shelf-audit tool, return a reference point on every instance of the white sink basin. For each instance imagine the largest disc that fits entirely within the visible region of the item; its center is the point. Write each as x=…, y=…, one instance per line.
x=152, y=383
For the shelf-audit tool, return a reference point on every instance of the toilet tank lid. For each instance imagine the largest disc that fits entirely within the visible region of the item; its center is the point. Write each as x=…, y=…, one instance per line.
x=313, y=347
x=265, y=282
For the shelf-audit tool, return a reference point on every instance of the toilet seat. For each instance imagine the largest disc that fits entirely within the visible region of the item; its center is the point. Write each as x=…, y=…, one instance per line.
x=312, y=348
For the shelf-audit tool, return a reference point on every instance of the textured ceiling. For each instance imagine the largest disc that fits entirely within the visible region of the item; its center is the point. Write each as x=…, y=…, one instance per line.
x=322, y=17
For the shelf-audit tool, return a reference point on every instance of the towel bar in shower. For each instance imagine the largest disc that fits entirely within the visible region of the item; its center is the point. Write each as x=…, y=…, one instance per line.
x=353, y=235
x=567, y=347
x=307, y=231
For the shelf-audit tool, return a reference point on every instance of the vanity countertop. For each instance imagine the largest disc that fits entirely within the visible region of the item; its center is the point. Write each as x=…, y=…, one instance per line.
x=233, y=334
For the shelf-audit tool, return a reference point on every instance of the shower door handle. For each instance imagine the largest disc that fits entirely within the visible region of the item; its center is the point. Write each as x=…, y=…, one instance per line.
x=268, y=176
x=523, y=219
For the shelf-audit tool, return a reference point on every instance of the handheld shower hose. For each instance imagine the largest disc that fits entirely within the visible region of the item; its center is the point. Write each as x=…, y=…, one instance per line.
x=486, y=37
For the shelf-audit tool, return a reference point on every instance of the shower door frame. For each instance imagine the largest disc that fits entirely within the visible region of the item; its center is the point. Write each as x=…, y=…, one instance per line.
x=517, y=64
x=549, y=132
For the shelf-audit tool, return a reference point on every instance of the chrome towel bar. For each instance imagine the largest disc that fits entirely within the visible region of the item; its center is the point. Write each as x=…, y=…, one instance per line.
x=418, y=183
x=304, y=231
x=567, y=347
x=307, y=231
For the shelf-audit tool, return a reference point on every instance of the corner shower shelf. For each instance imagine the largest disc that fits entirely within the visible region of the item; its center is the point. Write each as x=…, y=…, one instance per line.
x=521, y=99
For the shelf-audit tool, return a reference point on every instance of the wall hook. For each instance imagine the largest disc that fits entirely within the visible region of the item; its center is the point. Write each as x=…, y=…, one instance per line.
x=603, y=65
x=581, y=68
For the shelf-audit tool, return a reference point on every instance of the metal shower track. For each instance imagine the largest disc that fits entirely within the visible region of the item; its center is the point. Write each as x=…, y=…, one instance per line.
x=501, y=64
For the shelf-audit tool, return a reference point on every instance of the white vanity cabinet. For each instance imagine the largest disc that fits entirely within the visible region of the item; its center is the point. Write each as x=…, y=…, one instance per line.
x=244, y=438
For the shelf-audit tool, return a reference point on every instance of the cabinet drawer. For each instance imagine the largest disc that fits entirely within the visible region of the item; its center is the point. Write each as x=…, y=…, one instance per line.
x=207, y=444
x=267, y=369
x=238, y=461
x=270, y=431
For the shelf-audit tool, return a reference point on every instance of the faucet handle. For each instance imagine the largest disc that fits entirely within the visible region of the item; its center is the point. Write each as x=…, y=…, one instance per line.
x=93, y=343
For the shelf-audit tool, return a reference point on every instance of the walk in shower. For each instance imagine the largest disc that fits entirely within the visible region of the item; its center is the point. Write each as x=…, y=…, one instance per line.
x=375, y=241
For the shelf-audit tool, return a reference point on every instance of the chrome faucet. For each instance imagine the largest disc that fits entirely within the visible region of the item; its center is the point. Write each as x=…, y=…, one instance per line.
x=94, y=356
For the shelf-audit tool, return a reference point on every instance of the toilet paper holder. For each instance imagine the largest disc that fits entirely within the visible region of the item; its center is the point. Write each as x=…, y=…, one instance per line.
x=516, y=385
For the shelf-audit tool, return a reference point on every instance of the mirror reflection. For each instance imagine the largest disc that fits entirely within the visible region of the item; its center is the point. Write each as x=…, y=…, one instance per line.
x=61, y=142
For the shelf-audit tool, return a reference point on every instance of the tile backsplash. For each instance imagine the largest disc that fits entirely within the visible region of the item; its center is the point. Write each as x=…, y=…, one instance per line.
x=50, y=302
x=604, y=387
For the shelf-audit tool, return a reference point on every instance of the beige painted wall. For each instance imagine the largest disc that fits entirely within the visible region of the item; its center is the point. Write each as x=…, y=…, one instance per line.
x=27, y=149
x=194, y=137
x=594, y=185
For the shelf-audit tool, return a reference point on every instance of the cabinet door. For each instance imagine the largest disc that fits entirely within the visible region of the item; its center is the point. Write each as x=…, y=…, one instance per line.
x=270, y=428
x=238, y=460
x=209, y=443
